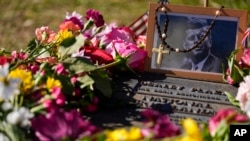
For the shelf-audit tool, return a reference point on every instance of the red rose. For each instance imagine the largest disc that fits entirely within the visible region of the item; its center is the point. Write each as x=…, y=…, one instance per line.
x=97, y=55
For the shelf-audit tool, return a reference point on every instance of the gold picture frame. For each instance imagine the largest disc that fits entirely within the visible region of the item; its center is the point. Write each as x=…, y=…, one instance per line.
x=226, y=33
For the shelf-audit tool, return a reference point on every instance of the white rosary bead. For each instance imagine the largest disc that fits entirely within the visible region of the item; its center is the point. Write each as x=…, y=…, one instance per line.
x=163, y=9
x=177, y=50
x=217, y=12
x=163, y=35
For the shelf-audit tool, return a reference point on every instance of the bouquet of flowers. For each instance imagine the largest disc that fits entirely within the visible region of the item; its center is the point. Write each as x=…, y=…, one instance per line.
x=238, y=74
x=46, y=88
x=61, y=74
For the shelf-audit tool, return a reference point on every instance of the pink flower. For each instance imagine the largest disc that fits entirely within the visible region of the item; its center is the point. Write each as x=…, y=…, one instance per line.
x=229, y=78
x=48, y=104
x=141, y=41
x=245, y=59
x=76, y=18
x=95, y=16
x=59, y=68
x=112, y=33
x=230, y=115
x=73, y=79
x=136, y=56
x=58, y=125
x=58, y=95
x=33, y=68
x=158, y=124
x=19, y=55
x=243, y=94
x=45, y=34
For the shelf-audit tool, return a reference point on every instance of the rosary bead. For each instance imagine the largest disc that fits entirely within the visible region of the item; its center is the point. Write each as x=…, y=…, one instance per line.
x=163, y=9
x=177, y=50
x=217, y=12
x=163, y=35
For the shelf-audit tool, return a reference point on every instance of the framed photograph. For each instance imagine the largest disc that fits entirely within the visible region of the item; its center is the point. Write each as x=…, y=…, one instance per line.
x=185, y=27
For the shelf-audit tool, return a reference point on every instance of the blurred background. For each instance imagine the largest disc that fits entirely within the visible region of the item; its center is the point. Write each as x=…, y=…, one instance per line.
x=20, y=18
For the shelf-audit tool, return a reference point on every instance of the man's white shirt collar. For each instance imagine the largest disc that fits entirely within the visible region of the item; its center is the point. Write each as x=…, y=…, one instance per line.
x=200, y=65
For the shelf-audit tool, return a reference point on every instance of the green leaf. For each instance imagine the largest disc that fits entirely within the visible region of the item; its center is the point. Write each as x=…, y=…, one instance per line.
x=237, y=74
x=232, y=99
x=13, y=132
x=66, y=84
x=222, y=131
x=79, y=64
x=85, y=81
x=67, y=50
x=68, y=42
x=102, y=82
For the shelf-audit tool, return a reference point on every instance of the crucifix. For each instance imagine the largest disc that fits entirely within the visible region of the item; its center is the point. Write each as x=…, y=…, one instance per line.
x=162, y=35
x=205, y=3
x=160, y=52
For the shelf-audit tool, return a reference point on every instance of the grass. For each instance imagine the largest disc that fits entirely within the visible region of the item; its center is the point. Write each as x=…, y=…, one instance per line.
x=20, y=18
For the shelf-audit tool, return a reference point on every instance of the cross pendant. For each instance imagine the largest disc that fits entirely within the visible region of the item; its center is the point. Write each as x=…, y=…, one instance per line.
x=160, y=52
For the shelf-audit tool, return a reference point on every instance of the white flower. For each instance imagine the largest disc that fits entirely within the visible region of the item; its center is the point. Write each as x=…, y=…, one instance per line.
x=20, y=116
x=14, y=117
x=243, y=94
x=6, y=106
x=74, y=14
x=8, y=86
x=247, y=108
x=3, y=137
x=4, y=70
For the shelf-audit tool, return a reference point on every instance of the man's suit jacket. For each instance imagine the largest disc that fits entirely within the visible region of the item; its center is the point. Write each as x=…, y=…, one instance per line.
x=212, y=64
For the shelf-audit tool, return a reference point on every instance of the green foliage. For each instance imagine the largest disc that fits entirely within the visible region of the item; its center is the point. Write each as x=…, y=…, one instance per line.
x=85, y=80
x=79, y=65
x=71, y=45
x=102, y=82
x=232, y=99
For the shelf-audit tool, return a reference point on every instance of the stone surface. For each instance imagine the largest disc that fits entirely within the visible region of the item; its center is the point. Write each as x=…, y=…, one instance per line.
x=179, y=98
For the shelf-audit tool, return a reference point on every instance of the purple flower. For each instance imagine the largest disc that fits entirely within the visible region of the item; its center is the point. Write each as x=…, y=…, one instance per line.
x=165, y=128
x=150, y=115
x=75, y=17
x=58, y=125
x=95, y=16
x=160, y=125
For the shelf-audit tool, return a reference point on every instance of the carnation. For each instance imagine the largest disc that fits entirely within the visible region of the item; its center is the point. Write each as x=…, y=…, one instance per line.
x=243, y=94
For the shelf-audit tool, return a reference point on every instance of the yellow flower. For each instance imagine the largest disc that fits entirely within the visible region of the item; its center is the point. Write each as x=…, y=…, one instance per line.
x=25, y=76
x=51, y=82
x=134, y=134
x=122, y=134
x=192, y=130
x=62, y=35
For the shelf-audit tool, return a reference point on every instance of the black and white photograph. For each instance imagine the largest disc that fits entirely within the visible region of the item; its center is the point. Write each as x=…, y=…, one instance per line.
x=186, y=30
x=193, y=42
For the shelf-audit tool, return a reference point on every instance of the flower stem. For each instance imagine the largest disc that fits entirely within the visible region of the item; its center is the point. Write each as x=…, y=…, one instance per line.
x=116, y=62
x=37, y=108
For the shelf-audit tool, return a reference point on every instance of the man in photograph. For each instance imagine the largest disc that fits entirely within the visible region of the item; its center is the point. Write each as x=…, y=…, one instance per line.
x=200, y=58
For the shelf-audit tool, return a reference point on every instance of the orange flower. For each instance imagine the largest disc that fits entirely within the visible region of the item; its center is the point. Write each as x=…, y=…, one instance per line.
x=69, y=25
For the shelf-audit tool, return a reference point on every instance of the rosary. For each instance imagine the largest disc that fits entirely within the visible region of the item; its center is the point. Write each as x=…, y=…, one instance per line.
x=164, y=47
